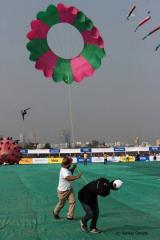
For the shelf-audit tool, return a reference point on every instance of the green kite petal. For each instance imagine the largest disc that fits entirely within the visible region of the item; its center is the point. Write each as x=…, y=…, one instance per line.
x=37, y=47
x=93, y=54
x=50, y=17
x=62, y=71
x=82, y=22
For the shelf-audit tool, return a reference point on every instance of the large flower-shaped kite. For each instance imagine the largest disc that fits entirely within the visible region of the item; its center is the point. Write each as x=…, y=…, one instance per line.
x=67, y=70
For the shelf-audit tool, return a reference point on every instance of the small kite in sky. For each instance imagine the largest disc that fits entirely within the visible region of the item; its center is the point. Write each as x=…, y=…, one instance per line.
x=24, y=112
x=151, y=32
x=130, y=14
x=158, y=46
x=142, y=22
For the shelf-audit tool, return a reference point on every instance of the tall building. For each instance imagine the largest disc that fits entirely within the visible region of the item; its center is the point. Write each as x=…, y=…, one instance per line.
x=21, y=138
x=158, y=142
x=136, y=142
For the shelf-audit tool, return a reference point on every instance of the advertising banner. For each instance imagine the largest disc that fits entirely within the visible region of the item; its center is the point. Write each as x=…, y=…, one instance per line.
x=119, y=149
x=157, y=158
x=26, y=161
x=156, y=149
x=55, y=160
x=23, y=151
x=86, y=150
x=127, y=159
x=97, y=159
x=54, y=150
x=144, y=158
x=81, y=160
x=113, y=159
x=40, y=160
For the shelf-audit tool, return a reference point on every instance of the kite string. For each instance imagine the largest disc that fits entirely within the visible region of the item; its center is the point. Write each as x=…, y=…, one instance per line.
x=72, y=126
x=82, y=176
x=70, y=112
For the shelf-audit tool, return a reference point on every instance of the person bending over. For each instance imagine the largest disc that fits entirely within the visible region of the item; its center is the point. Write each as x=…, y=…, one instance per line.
x=88, y=199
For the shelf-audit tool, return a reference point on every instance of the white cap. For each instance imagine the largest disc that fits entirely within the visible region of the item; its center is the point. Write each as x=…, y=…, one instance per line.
x=117, y=184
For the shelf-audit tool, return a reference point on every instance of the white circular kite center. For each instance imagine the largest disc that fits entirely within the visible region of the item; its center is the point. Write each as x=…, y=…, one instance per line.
x=65, y=40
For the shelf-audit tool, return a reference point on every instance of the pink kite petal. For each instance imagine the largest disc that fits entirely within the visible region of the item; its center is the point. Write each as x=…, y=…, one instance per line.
x=46, y=63
x=67, y=14
x=73, y=10
x=81, y=68
x=90, y=39
x=100, y=42
x=48, y=73
x=95, y=32
x=39, y=30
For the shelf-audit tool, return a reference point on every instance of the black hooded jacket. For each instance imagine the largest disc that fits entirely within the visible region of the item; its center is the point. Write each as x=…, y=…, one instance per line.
x=88, y=194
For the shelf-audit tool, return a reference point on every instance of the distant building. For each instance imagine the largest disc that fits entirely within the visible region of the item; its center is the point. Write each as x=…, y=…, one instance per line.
x=40, y=145
x=78, y=144
x=145, y=144
x=21, y=138
x=30, y=137
x=158, y=142
x=136, y=142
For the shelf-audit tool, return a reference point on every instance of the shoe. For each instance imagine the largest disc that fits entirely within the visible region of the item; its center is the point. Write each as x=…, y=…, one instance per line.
x=83, y=226
x=70, y=218
x=56, y=216
x=95, y=230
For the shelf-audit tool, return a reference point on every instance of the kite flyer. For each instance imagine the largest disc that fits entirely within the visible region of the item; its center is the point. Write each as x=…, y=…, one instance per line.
x=65, y=190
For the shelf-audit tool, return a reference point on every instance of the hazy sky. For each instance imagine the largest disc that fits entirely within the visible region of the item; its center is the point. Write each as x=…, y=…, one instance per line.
x=119, y=102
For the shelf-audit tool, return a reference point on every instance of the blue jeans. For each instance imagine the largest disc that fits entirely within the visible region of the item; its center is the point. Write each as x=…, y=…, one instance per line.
x=92, y=212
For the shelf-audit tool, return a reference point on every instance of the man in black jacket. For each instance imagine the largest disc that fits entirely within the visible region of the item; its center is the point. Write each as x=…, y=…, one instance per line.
x=88, y=199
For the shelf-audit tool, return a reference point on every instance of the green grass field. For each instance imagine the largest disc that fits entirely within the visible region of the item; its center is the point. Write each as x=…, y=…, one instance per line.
x=28, y=195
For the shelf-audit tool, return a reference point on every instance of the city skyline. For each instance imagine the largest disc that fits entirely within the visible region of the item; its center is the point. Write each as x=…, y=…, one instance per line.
x=32, y=138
